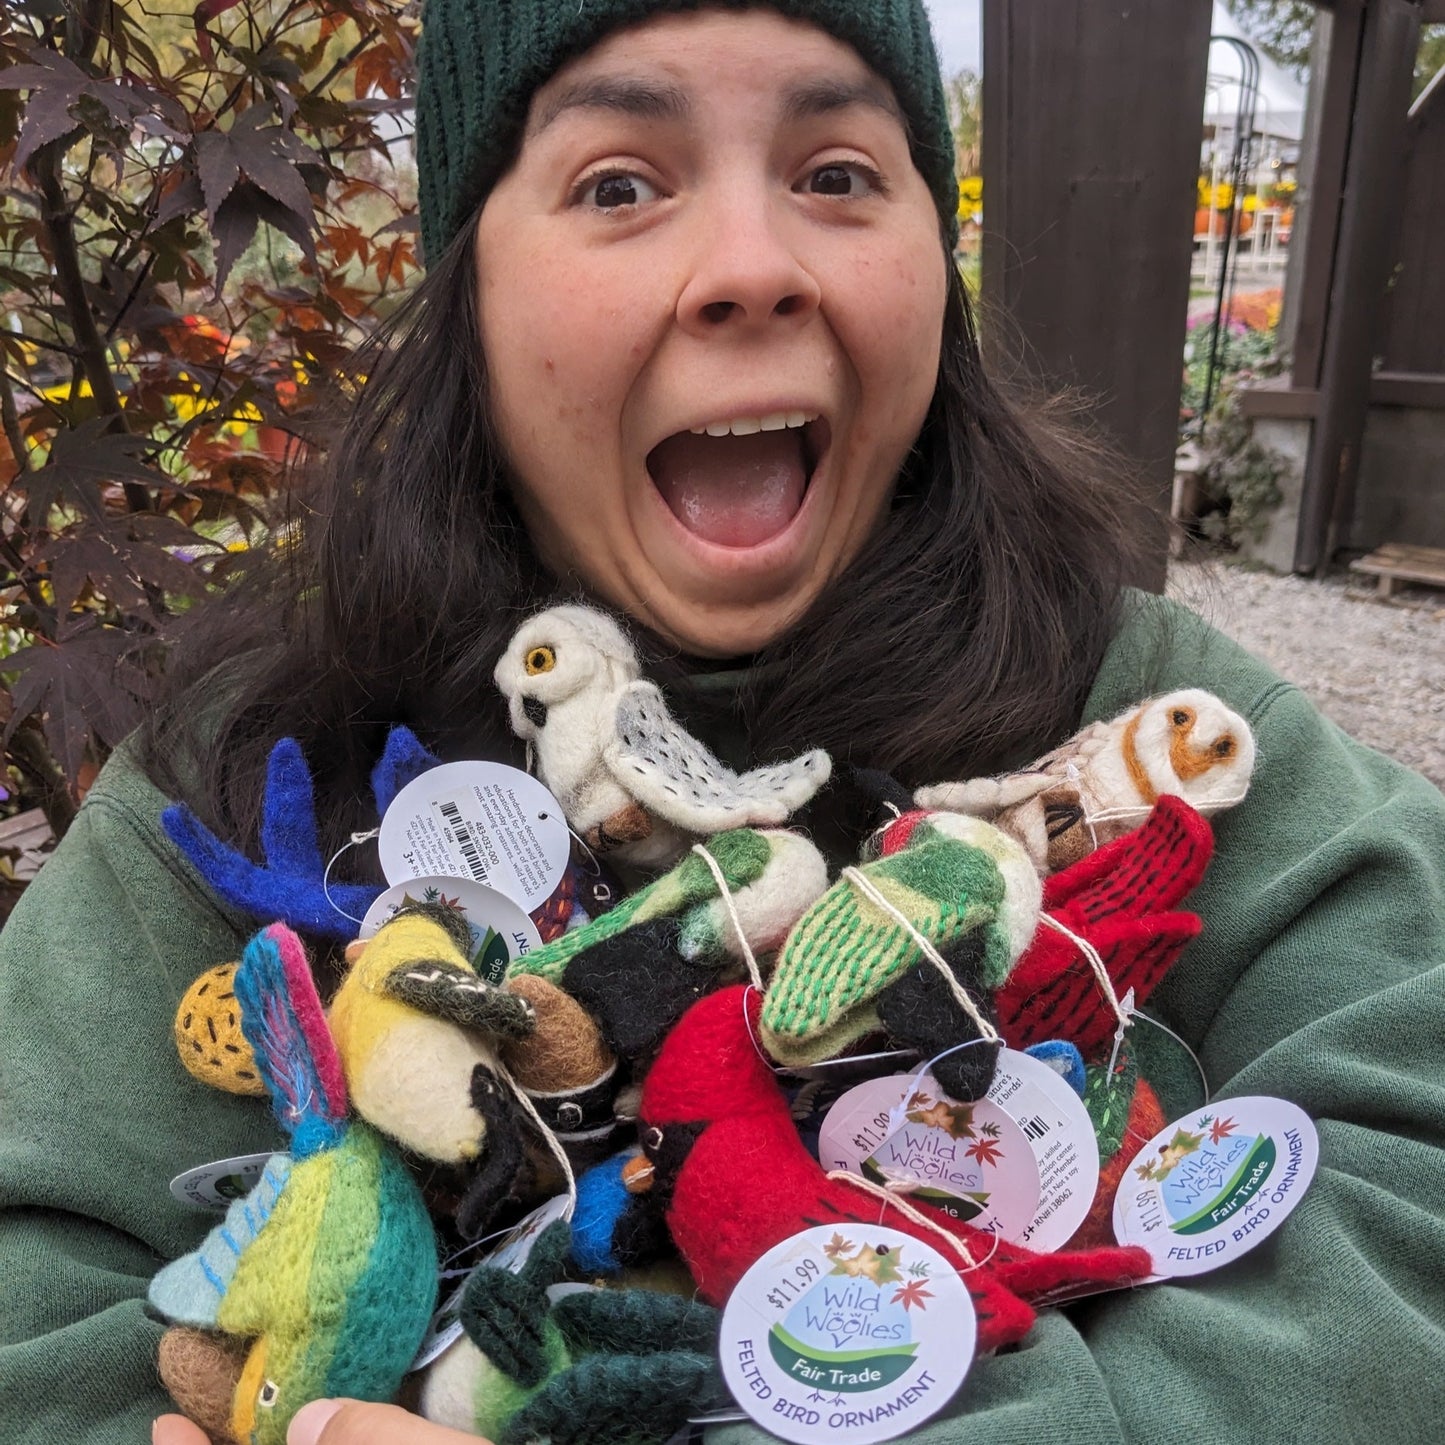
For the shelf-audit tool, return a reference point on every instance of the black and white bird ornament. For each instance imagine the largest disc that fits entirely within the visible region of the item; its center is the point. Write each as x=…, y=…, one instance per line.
x=631, y=781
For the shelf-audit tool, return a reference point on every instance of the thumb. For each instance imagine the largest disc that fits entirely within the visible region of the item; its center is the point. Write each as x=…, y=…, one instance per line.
x=350, y=1422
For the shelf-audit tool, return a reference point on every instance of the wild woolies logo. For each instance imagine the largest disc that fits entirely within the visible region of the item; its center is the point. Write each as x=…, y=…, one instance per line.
x=853, y=1330
x=1210, y=1187
x=944, y=1153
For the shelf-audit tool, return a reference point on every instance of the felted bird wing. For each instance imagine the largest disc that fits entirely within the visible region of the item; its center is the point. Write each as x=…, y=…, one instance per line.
x=445, y=991
x=674, y=776
x=283, y=1021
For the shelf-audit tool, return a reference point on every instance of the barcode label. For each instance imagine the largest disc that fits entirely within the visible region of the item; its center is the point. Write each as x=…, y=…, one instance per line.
x=463, y=838
x=1035, y=1128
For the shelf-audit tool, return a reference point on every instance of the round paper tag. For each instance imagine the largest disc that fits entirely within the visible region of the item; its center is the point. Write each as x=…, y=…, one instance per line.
x=970, y=1160
x=843, y=1335
x=1061, y=1135
x=501, y=932
x=1209, y=1187
x=215, y=1185
x=483, y=821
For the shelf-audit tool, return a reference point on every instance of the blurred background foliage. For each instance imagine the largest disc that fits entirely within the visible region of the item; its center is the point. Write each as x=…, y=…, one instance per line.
x=204, y=209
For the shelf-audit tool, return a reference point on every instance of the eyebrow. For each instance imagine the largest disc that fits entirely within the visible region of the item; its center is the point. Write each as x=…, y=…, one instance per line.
x=648, y=100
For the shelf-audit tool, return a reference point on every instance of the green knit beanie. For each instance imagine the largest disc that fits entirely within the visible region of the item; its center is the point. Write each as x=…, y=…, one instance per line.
x=481, y=60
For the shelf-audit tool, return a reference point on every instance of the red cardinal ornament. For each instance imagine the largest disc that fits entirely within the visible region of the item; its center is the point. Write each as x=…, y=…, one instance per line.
x=734, y=1179
x=1118, y=899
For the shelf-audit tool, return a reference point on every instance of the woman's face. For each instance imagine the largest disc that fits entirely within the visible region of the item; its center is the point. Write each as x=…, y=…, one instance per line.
x=711, y=294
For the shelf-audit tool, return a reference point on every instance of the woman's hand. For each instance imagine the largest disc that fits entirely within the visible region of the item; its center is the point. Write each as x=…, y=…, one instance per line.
x=333, y=1422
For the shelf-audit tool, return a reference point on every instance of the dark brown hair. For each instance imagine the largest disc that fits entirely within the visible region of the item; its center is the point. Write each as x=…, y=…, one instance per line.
x=965, y=636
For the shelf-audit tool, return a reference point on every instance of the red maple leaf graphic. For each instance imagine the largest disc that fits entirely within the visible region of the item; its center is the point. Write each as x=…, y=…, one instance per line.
x=986, y=1151
x=1220, y=1129
x=912, y=1293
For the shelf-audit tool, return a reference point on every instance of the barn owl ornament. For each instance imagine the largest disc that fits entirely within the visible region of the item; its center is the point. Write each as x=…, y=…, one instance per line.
x=631, y=781
x=1103, y=781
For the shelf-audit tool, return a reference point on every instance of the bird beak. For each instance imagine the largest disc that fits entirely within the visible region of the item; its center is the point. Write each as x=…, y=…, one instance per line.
x=638, y=1174
x=536, y=711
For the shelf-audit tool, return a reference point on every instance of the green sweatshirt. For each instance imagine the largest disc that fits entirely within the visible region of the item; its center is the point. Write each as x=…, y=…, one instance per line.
x=1320, y=977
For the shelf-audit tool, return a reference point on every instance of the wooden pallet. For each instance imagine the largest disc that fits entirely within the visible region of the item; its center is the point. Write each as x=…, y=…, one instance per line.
x=1398, y=562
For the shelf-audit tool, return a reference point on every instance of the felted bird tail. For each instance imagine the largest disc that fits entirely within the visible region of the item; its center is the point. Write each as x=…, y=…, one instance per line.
x=543, y=1360
x=1120, y=900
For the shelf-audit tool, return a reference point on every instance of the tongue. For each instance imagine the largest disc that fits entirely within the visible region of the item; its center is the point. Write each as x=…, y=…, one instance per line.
x=734, y=491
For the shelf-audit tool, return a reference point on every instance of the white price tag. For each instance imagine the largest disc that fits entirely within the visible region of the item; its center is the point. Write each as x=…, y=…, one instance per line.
x=1209, y=1187
x=484, y=821
x=215, y=1185
x=847, y=1335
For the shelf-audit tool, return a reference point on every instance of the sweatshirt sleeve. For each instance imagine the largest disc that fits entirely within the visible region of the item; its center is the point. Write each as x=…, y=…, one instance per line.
x=1320, y=978
x=97, y=1115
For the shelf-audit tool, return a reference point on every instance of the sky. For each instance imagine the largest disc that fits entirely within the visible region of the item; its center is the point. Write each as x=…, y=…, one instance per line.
x=956, y=31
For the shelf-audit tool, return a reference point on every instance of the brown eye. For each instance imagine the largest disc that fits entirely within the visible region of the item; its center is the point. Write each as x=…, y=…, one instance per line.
x=540, y=659
x=1179, y=717
x=1224, y=747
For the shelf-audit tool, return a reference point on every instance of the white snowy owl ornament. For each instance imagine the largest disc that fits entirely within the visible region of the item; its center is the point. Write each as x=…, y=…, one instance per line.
x=1103, y=781
x=631, y=781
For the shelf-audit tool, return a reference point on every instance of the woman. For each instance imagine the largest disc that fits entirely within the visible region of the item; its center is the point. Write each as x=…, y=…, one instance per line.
x=727, y=384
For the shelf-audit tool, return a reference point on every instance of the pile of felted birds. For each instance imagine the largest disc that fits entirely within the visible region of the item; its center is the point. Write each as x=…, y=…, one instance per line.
x=647, y=1046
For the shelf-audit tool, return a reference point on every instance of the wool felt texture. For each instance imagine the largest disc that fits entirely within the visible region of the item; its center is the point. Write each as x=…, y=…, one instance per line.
x=209, y=1038
x=603, y=1366
x=480, y=61
x=328, y=1268
x=613, y=1228
x=631, y=781
x=565, y=1050
x=1121, y=899
x=1064, y=1059
x=949, y=876
x=1126, y=1114
x=639, y=967
x=919, y=1011
x=201, y=1370
x=414, y=1024
x=1316, y=977
x=1103, y=781
x=744, y=1182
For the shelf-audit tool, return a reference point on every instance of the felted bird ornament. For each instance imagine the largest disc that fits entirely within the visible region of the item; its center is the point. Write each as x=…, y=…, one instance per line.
x=958, y=883
x=1123, y=901
x=1103, y=781
x=291, y=885
x=630, y=780
x=712, y=1101
x=420, y=1038
x=321, y=1281
x=637, y=969
x=540, y=1359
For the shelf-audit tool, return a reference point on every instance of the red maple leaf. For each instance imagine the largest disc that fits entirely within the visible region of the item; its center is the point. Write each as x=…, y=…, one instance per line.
x=912, y=1293
x=1220, y=1129
x=985, y=1150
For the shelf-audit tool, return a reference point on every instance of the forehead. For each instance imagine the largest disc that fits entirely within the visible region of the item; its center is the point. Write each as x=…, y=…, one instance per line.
x=671, y=65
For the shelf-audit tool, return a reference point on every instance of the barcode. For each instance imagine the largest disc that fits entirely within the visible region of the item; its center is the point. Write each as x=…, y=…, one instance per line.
x=1035, y=1128
x=470, y=856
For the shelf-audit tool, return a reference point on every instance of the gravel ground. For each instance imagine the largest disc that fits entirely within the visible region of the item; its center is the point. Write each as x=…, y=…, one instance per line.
x=1376, y=667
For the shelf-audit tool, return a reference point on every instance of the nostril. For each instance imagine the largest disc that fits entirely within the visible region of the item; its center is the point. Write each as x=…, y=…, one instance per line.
x=718, y=310
x=788, y=306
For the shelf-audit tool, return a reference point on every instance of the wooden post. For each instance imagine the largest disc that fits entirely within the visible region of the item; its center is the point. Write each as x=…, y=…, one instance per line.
x=1385, y=42
x=1091, y=137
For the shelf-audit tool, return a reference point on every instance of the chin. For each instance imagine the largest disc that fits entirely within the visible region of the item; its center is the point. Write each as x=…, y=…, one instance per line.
x=718, y=632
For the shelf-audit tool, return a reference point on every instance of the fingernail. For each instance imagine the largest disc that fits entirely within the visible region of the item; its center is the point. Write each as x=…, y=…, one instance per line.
x=310, y=1420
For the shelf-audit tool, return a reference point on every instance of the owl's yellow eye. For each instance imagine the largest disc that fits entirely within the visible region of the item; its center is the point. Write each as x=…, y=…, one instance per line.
x=540, y=659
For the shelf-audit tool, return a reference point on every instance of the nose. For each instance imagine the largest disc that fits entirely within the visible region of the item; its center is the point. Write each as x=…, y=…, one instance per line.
x=747, y=270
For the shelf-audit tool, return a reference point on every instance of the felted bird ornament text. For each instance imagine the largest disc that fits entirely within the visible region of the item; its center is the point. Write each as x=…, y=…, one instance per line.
x=543, y=1360
x=1103, y=781
x=639, y=967
x=630, y=780
x=321, y=1281
x=733, y=1179
x=847, y=967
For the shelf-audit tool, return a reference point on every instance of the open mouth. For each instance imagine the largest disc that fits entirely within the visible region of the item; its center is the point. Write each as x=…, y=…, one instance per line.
x=739, y=483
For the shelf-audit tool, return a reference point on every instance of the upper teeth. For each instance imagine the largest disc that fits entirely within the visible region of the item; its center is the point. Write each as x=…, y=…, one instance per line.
x=746, y=425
